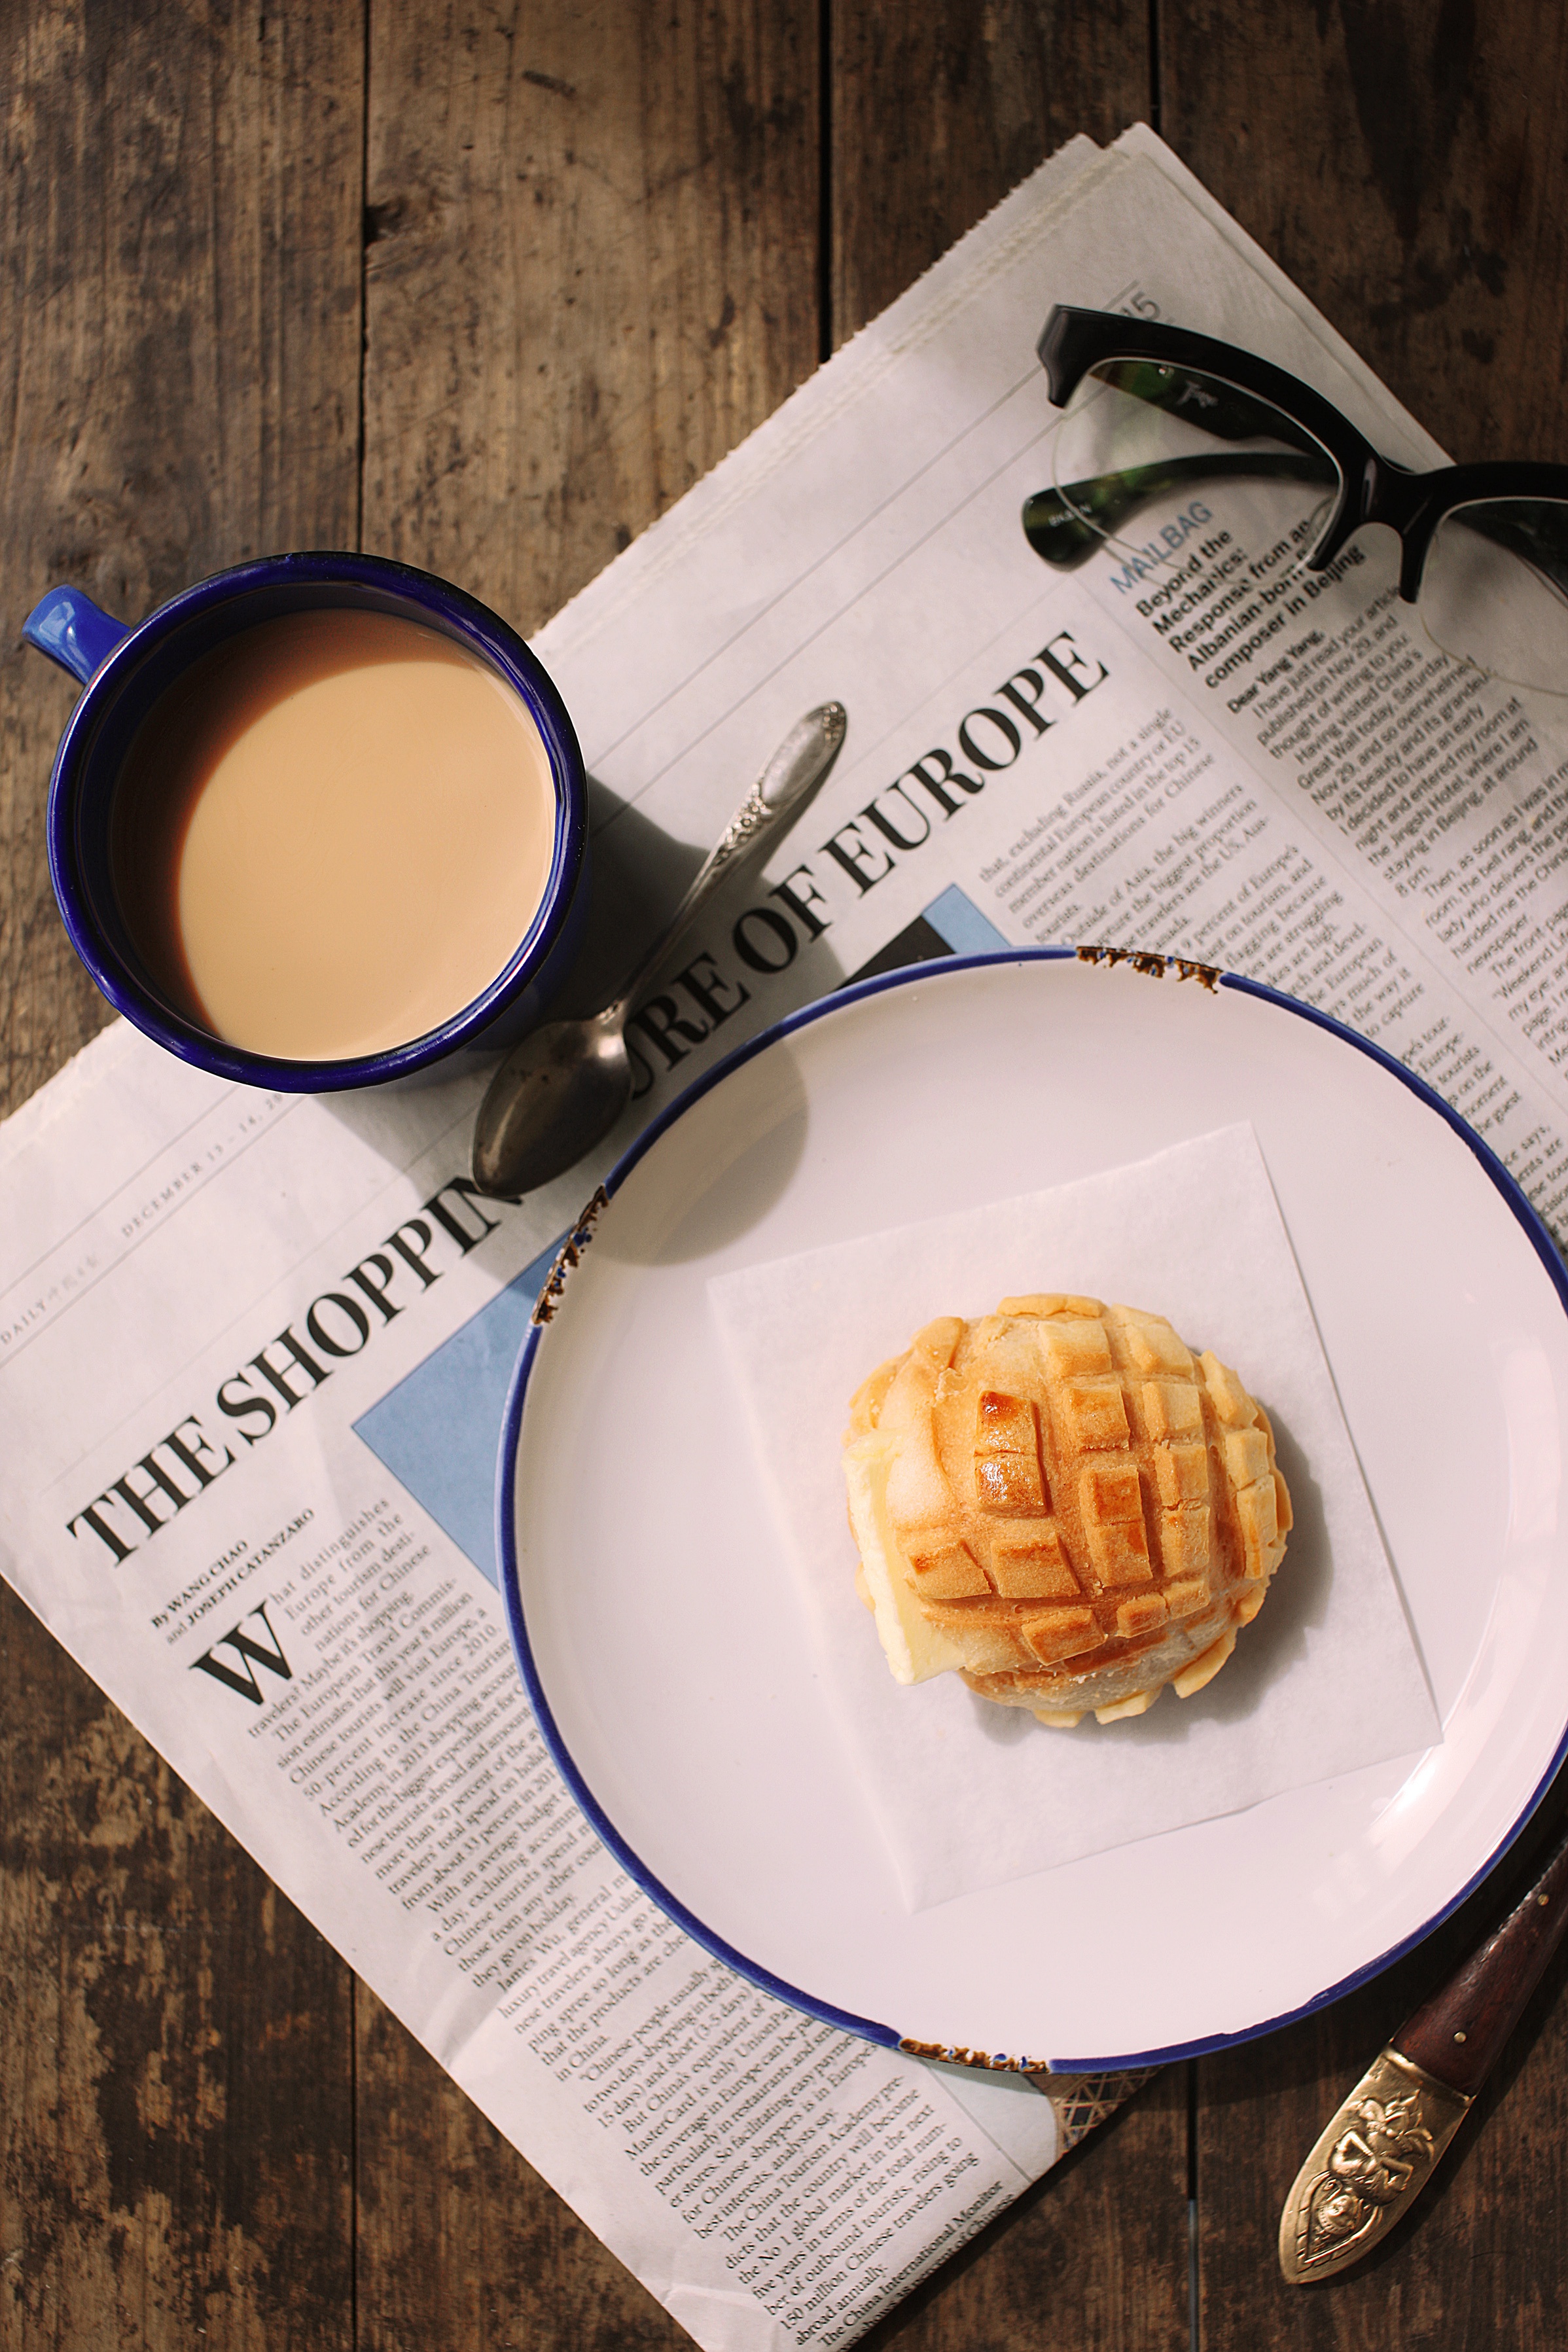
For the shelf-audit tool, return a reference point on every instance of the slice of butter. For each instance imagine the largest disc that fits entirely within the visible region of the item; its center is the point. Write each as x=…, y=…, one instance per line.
x=915, y=1650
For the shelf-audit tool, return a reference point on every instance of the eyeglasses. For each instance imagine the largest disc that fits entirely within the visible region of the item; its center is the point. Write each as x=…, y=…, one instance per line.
x=1167, y=435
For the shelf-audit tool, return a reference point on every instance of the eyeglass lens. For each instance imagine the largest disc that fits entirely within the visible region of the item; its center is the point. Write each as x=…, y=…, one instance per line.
x=1147, y=454
x=1495, y=589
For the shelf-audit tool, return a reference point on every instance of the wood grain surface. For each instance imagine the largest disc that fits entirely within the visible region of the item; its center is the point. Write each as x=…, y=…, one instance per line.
x=487, y=286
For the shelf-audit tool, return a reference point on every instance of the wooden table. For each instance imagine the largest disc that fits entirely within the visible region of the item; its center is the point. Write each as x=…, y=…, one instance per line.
x=487, y=286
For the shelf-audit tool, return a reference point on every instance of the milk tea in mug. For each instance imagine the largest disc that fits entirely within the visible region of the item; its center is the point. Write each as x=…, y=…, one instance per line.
x=331, y=833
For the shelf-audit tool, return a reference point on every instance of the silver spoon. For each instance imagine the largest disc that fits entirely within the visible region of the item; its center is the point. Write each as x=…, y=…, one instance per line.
x=566, y=1084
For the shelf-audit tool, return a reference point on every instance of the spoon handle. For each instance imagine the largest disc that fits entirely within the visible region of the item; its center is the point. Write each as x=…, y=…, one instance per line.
x=780, y=794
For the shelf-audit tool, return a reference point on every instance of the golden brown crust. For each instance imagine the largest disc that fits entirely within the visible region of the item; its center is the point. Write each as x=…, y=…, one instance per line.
x=1081, y=1507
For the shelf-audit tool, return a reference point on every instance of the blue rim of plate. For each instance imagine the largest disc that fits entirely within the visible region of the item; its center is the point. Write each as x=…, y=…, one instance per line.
x=870, y=2029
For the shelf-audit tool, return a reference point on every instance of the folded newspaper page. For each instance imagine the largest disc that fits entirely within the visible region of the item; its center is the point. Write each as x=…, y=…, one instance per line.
x=254, y=1348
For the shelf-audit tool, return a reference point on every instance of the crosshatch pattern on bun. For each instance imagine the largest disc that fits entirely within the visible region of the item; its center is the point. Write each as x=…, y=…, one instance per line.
x=1065, y=1504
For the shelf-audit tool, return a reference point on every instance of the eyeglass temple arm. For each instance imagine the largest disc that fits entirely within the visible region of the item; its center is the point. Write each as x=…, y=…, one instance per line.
x=1064, y=525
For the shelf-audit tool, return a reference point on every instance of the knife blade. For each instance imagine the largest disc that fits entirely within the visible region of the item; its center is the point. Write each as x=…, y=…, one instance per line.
x=1380, y=2148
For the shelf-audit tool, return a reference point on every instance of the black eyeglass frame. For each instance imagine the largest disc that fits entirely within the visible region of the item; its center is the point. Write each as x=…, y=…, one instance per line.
x=1373, y=488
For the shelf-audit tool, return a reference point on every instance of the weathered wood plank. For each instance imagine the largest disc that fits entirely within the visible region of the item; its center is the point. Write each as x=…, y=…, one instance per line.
x=594, y=271
x=1398, y=158
x=1093, y=2259
x=936, y=111
x=460, y=2242
x=178, y=237
x=176, y=2072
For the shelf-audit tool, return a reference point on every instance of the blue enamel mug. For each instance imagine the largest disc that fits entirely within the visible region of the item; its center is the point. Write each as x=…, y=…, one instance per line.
x=128, y=672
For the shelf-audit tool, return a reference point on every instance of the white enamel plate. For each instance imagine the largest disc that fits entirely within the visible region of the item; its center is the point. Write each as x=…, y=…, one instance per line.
x=660, y=1628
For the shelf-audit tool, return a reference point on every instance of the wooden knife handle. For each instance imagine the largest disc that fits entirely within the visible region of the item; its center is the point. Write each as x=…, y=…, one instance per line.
x=1459, y=2032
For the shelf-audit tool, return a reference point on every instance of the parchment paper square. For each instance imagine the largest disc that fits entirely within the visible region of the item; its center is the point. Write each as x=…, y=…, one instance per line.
x=1326, y=1679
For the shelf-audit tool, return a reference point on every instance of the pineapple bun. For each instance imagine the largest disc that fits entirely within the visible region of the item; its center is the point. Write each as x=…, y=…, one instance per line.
x=1064, y=1504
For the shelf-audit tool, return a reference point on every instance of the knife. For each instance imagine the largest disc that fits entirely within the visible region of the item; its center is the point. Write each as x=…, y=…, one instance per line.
x=1380, y=2149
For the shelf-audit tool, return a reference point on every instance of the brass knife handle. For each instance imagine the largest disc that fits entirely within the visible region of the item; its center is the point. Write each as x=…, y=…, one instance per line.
x=1373, y=2158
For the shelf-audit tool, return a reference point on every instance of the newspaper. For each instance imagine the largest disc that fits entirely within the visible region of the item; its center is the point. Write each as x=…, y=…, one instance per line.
x=254, y=1348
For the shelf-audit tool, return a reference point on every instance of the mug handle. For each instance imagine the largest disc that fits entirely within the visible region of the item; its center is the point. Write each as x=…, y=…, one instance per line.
x=70, y=628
